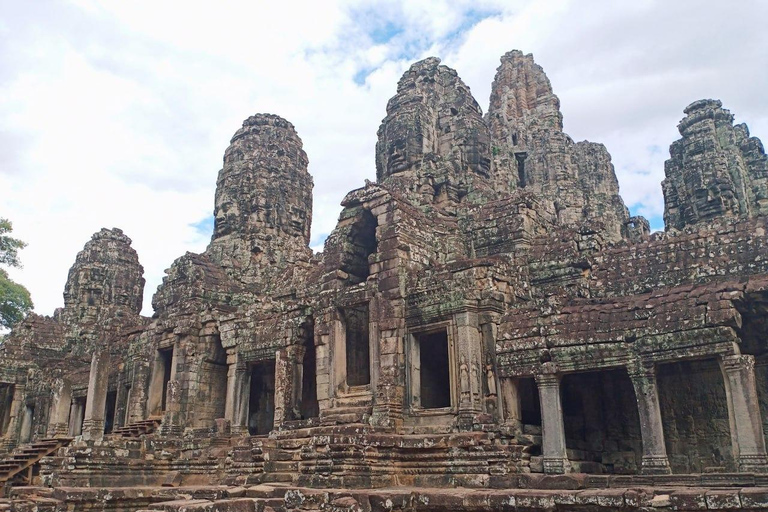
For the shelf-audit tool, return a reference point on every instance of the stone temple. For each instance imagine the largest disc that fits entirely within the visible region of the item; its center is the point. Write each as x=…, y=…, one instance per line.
x=487, y=328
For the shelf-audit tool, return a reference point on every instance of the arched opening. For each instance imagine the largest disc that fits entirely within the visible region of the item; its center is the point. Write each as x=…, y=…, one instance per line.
x=361, y=243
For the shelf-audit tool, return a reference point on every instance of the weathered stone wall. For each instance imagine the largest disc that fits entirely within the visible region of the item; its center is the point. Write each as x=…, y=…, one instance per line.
x=695, y=417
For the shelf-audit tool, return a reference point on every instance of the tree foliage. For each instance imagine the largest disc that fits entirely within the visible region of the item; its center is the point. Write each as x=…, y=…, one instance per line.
x=15, y=301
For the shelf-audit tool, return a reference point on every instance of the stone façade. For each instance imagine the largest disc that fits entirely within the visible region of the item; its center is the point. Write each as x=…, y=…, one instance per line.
x=486, y=315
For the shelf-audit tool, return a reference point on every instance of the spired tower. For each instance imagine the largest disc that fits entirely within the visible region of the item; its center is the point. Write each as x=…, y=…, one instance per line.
x=263, y=210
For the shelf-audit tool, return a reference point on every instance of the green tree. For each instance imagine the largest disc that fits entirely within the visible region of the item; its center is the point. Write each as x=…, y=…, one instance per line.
x=15, y=301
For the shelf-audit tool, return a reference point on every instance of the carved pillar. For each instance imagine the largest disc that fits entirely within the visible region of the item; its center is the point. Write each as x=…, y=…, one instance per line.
x=554, y=452
x=744, y=413
x=61, y=403
x=96, y=401
x=238, y=395
x=654, y=461
x=286, y=385
x=470, y=368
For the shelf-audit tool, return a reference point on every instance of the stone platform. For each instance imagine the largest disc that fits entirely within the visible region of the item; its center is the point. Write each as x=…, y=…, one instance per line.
x=287, y=498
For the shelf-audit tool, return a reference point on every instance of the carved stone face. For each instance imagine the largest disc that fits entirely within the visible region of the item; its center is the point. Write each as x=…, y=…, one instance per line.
x=226, y=215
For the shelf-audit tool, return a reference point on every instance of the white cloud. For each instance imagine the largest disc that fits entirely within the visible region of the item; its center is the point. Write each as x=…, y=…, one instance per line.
x=117, y=114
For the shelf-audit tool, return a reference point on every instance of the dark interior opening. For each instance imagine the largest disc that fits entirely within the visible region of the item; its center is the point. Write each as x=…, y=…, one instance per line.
x=601, y=422
x=357, y=345
x=166, y=355
x=435, y=372
x=520, y=157
x=261, y=404
x=362, y=243
x=530, y=408
x=309, y=407
x=109, y=411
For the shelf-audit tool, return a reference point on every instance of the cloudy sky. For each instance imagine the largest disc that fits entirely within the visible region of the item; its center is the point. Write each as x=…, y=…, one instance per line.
x=117, y=114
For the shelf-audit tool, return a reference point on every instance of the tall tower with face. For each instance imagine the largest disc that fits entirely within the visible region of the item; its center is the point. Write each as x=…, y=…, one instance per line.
x=263, y=210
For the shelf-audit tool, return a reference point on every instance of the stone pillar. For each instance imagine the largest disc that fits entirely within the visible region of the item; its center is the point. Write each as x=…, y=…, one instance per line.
x=96, y=401
x=285, y=385
x=744, y=413
x=470, y=368
x=238, y=395
x=554, y=453
x=61, y=403
x=654, y=461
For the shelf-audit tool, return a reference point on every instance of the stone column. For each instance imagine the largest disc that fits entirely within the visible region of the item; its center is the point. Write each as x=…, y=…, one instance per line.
x=60, y=408
x=285, y=384
x=554, y=453
x=96, y=401
x=238, y=395
x=744, y=413
x=470, y=368
x=654, y=461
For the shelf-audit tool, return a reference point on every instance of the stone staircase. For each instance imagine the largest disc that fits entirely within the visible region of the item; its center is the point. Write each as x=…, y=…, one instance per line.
x=18, y=466
x=138, y=428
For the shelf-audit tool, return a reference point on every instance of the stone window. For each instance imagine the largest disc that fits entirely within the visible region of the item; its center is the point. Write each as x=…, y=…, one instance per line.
x=357, y=345
x=261, y=403
x=430, y=370
x=361, y=244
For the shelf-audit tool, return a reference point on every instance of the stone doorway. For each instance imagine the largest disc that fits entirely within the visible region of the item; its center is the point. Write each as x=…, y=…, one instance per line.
x=109, y=412
x=308, y=405
x=162, y=372
x=261, y=402
x=6, y=400
x=602, y=424
x=431, y=370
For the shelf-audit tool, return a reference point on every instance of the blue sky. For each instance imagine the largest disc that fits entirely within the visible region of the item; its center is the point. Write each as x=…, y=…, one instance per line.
x=117, y=114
